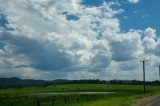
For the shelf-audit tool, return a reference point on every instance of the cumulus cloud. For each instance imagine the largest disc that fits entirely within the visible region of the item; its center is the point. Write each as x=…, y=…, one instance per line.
x=149, y=41
x=66, y=39
x=126, y=47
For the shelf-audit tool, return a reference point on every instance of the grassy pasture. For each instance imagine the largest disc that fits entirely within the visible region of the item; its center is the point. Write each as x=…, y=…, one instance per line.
x=124, y=95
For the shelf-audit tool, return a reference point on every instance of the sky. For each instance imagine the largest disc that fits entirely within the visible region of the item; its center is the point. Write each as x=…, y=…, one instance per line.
x=79, y=39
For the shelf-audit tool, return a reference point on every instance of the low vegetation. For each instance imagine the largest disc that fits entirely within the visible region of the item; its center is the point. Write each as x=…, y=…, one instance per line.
x=122, y=95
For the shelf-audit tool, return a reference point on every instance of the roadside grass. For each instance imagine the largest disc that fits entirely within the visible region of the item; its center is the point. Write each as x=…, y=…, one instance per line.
x=115, y=100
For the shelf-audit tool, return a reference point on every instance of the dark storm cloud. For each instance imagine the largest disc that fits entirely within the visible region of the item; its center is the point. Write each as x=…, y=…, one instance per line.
x=43, y=58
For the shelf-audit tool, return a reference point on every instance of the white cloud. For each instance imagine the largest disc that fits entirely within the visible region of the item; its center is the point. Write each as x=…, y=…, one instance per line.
x=134, y=1
x=126, y=46
x=47, y=40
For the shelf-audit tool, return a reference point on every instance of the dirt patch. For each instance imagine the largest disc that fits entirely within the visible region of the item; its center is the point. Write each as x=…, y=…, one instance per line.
x=148, y=101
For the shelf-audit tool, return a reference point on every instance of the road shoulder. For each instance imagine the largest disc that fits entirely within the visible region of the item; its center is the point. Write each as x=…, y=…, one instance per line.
x=148, y=101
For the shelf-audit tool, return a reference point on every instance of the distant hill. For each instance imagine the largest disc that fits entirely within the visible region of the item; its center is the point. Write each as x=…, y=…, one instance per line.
x=19, y=83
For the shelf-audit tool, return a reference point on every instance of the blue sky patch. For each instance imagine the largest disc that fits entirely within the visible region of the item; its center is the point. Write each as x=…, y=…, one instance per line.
x=92, y=2
x=2, y=45
x=140, y=16
x=3, y=21
x=71, y=17
x=99, y=36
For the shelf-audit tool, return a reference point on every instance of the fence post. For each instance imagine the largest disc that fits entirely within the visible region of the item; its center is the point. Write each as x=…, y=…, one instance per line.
x=38, y=103
x=88, y=99
x=77, y=99
x=53, y=102
x=65, y=100
x=11, y=104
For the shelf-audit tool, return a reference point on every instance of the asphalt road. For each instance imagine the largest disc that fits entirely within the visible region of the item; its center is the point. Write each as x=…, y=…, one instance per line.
x=156, y=103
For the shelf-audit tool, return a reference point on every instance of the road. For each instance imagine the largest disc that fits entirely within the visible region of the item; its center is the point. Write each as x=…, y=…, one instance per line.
x=157, y=103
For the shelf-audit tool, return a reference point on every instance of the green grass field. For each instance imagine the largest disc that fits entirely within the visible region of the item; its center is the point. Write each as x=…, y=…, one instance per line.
x=124, y=95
